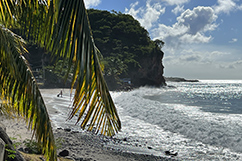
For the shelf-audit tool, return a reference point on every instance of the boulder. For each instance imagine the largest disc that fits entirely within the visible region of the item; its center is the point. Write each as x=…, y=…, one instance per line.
x=64, y=153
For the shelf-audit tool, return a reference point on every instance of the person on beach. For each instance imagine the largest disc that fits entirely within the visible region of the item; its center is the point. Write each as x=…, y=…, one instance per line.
x=60, y=94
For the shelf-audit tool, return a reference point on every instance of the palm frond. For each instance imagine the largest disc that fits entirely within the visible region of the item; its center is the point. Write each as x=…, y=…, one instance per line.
x=19, y=88
x=63, y=28
x=72, y=40
x=67, y=34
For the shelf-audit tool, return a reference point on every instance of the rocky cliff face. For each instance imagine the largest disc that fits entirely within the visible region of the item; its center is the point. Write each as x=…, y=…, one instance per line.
x=150, y=72
x=130, y=57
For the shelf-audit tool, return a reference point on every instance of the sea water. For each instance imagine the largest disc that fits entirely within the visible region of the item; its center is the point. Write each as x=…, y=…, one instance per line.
x=198, y=120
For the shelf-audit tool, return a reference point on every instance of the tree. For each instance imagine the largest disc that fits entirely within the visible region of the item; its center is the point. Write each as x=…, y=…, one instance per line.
x=62, y=27
x=159, y=43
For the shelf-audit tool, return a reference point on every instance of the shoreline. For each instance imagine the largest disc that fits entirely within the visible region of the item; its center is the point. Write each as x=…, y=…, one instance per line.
x=93, y=147
x=81, y=145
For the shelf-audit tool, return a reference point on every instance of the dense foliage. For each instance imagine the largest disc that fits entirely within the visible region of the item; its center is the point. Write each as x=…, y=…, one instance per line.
x=122, y=42
x=124, y=45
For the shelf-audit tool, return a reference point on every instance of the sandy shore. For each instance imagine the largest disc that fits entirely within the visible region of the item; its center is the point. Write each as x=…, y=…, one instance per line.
x=80, y=145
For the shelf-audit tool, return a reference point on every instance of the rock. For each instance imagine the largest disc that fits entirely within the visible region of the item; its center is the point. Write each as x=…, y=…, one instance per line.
x=21, y=149
x=74, y=132
x=67, y=129
x=151, y=71
x=150, y=147
x=27, y=150
x=125, y=139
x=177, y=79
x=64, y=153
x=171, y=153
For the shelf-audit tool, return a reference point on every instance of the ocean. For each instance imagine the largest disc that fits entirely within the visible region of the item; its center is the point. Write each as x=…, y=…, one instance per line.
x=198, y=120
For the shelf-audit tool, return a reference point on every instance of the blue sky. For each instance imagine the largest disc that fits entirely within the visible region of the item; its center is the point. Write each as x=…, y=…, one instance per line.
x=202, y=37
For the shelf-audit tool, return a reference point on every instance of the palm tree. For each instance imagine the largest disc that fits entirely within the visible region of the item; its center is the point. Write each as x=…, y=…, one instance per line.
x=63, y=28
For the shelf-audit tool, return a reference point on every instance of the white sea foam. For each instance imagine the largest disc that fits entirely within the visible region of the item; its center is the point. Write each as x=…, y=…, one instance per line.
x=201, y=121
x=195, y=134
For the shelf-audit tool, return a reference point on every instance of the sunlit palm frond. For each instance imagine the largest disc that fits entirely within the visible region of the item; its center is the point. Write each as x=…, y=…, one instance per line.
x=19, y=88
x=9, y=11
x=5, y=10
x=63, y=28
x=72, y=41
x=66, y=33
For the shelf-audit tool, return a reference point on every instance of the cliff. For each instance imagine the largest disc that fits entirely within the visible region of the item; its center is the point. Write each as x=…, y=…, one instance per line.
x=130, y=57
x=150, y=71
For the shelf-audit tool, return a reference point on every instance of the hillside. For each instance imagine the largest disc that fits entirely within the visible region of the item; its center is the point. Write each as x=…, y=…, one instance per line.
x=129, y=57
x=128, y=52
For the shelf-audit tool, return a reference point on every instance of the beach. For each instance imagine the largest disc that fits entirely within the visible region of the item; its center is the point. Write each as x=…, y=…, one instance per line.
x=192, y=120
x=80, y=145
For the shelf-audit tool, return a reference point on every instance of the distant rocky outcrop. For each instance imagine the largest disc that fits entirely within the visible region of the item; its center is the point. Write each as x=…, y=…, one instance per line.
x=177, y=79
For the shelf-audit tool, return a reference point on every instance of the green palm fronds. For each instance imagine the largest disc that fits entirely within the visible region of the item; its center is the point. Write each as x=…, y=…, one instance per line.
x=68, y=36
x=92, y=99
x=20, y=91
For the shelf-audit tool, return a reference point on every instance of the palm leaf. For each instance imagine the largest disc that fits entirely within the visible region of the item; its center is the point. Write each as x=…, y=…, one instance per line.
x=92, y=98
x=68, y=36
x=19, y=88
x=63, y=28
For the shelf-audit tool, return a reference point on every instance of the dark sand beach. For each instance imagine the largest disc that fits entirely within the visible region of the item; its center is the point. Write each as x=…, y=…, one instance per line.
x=80, y=145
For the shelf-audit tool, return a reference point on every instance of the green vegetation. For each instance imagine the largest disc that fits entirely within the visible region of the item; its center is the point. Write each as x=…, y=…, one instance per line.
x=123, y=42
x=33, y=146
x=10, y=153
x=124, y=45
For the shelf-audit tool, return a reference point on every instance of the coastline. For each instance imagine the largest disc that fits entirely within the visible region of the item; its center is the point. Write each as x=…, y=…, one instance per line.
x=88, y=146
x=80, y=145
x=178, y=79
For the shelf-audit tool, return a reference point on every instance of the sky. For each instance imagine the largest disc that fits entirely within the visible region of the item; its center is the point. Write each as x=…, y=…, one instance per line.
x=202, y=37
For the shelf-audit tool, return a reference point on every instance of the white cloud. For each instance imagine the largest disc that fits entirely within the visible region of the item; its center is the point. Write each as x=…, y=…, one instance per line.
x=199, y=19
x=91, y=3
x=198, y=38
x=233, y=40
x=178, y=9
x=225, y=6
x=240, y=7
x=146, y=15
x=191, y=27
x=194, y=56
x=203, y=62
x=231, y=65
x=176, y=2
